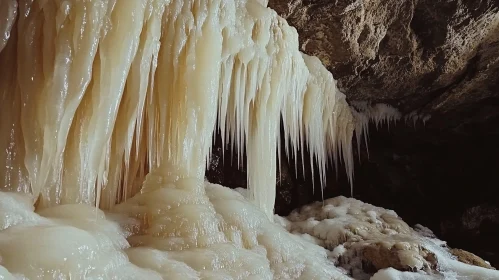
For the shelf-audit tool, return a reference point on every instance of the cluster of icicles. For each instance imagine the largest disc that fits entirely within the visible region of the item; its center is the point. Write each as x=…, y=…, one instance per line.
x=114, y=104
x=97, y=93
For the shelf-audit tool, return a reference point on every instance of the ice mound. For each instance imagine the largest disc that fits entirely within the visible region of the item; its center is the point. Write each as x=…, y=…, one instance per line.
x=69, y=241
x=364, y=239
x=178, y=232
x=217, y=235
x=176, y=229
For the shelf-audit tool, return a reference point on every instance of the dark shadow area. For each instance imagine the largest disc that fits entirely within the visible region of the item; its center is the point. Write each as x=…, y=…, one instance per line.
x=446, y=181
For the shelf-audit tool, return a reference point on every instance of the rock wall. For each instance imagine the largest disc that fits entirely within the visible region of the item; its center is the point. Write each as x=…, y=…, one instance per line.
x=433, y=56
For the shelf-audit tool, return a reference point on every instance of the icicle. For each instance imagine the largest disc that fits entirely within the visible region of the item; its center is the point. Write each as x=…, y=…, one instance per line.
x=152, y=104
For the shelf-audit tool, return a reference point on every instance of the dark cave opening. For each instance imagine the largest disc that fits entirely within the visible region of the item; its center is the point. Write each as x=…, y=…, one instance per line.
x=440, y=179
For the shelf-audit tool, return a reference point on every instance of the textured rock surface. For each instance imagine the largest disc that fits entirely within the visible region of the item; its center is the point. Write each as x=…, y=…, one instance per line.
x=364, y=239
x=469, y=258
x=433, y=56
x=381, y=257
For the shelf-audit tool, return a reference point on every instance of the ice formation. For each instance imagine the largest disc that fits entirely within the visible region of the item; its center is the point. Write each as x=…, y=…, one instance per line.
x=67, y=240
x=360, y=237
x=175, y=233
x=414, y=116
x=379, y=113
x=129, y=97
x=114, y=103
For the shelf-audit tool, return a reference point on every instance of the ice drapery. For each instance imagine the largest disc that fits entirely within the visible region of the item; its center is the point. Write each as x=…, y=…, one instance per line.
x=96, y=94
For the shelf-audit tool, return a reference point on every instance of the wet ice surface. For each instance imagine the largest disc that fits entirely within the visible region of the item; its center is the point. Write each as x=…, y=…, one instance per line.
x=178, y=233
x=134, y=122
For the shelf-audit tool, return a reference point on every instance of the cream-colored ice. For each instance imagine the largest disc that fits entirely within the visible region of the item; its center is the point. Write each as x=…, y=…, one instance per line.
x=111, y=101
x=219, y=235
x=61, y=242
x=175, y=233
x=106, y=100
x=113, y=104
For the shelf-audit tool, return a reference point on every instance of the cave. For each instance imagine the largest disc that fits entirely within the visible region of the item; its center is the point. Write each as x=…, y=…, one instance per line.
x=357, y=139
x=423, y=173
x=442, y=172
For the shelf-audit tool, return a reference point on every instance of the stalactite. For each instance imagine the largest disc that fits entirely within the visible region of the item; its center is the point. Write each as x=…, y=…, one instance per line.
x=145, y=94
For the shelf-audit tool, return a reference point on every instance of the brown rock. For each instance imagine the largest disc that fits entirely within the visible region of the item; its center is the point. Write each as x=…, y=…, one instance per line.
x=433, y=56
x=404, y=258
x=469, y=258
